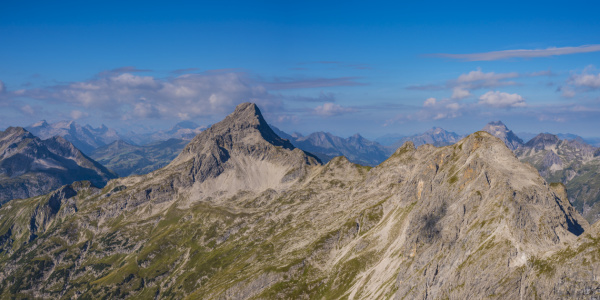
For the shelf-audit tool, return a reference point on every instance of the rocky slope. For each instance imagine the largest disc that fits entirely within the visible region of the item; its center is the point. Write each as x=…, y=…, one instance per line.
x=571, y=162
x=30, y=166
x=243, y=214
x=127, y=159
x=499, y=130
x=85, y=138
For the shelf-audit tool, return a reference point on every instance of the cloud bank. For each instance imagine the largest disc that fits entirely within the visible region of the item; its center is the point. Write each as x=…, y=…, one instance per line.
x=332, y=109
x=502, y=100
x=521, y=53
x=125, y=94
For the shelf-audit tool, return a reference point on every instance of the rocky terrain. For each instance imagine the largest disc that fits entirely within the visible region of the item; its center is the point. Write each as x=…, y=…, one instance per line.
x=571, y=162
x=30, y=166
x=243, y=214
x=85, y=138
x=126, y=159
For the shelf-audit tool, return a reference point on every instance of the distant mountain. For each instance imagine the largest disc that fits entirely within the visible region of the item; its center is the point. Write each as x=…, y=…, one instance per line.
x=526, y=136
x=499, y=130
x=593, y=141
x=85, y=138
x=283, y=134
x=127, y=159
x=185, y=130
x=574, y=163
x=326, y=146
x=436, y=136
x=30, y=166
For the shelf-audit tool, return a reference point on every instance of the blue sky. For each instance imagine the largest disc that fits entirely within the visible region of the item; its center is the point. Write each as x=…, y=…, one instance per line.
x=343, y=67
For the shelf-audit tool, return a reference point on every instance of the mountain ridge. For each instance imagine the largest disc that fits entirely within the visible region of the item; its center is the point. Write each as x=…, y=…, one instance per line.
x=237, y=215
x=30, y=166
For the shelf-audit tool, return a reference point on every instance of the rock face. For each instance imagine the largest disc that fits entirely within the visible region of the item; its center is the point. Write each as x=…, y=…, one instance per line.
x=571, y=162
x=85, y=138
x=127, y=159
x=499, y=130
x=326, y=146
x=241, y=213
x=30, y=166
x=436, y=136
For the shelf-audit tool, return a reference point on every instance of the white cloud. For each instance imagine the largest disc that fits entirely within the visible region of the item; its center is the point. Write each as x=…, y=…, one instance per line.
x=521, y=53
x=502, y=100
x=28, y=110
x=567, y=92
x=460, y=93
x=2, y=87
x=77, y=114
x=332, y=109
x=477, y=75
x=186, y=96
x=439, y=109
x=430, y=102
x=585, y=79
x=146, y=110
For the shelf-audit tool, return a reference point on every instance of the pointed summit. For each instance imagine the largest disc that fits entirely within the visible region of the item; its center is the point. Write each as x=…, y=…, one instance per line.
x=497, y=123
x=245, y=148
x=41, y=123
x=499, y=130
x=247, y=120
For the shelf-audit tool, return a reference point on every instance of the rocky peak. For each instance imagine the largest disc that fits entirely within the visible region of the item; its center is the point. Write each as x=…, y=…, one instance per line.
x=247, y=119
x=435, y=130
x=11, y=137
x=61, y=146
x=499, y=130
x=242, y=141
x=357, y=136
x=497, y=123
x=12, y=132
x=41, y=123
x=542, y=140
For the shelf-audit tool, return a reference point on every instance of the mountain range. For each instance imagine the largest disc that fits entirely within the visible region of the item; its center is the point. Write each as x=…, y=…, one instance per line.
x=242, y=213
x=571, y=162
x=436, y=136
x=128, y=159
x=577, y=172
x=185, y=130
x=30, y=166
x=85, y=138
x=326, y=146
